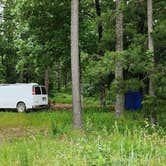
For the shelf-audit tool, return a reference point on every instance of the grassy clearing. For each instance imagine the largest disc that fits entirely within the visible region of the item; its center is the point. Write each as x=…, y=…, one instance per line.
x=104, y=140
x=33, y=119
x=62, y=98
x=67, y=99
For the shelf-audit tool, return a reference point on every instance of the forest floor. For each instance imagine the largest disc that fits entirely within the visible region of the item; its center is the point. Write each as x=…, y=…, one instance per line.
x=60, y=106
x=65, y=106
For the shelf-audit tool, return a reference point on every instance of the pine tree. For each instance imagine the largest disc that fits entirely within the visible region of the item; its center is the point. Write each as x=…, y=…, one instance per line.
x=77, y=117
x=119, y=69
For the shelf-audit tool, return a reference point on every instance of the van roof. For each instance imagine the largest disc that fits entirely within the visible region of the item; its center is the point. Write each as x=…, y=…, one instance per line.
x=18, y=84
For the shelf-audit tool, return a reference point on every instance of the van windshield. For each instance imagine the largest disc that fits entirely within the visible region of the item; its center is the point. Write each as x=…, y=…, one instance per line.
x=37, y=90
x=44, y=92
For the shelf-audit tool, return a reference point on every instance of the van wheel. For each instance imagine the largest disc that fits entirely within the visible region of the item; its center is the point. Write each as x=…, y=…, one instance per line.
x=21, y=107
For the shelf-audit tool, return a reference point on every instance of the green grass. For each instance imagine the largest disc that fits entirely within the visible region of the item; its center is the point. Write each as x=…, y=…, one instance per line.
x=62, y=98
x=67, y=99
x=103, y=141
x=34, y=119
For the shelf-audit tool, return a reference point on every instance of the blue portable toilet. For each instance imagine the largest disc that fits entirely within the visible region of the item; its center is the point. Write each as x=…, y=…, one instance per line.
x=133, y=100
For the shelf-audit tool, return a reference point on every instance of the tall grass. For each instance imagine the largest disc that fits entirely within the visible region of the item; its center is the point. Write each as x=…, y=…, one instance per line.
x=103, y=141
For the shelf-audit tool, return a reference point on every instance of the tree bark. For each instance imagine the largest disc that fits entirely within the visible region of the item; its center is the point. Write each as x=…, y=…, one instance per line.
x=153, y=118
x=102, y=95
x=66, y=79
x=75, y=62
x=119, y=69
x=46, y=80
x=59, y=77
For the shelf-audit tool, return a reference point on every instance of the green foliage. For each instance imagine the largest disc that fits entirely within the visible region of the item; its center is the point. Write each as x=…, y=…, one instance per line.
x=159, y=40
x=133, y=85
x=103, y=66
x=149, y=103
x=35, y=36
x=158, y=102
x=39, y=32
x=7, y=49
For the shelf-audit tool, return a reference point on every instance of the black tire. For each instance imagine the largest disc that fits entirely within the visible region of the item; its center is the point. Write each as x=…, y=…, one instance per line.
x=21, y=107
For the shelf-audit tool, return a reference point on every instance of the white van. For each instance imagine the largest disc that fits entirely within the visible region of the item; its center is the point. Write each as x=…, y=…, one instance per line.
x=23, y=96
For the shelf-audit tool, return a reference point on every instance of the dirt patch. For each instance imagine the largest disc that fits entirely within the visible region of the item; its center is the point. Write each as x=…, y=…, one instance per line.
x=60, y=106
x=9, y=133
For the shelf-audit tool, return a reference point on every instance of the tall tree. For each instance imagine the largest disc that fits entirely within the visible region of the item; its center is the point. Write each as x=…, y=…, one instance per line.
x=100, y=35
x=46, y=80
x=151, y=49
x=77, y=112
x=119, y=48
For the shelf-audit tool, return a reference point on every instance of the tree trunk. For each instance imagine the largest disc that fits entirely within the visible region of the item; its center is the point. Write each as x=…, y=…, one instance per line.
x=100, y=35
x=100, y=27
x=59, y=77
x=119, y=69
x=21, y=76
x=46, y=80
x=153, y=118
x=75, y=62
x=66, y=79
x=102, y=95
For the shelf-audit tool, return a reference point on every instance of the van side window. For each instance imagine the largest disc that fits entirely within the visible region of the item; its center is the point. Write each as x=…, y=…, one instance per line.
x=43, y=90
x=37, y=90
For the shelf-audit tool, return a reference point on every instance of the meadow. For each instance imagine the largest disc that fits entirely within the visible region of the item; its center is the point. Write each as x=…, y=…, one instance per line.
x=46, y=138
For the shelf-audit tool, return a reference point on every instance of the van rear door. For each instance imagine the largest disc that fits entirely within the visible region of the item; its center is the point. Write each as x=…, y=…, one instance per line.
x=39, y=96
x=44, y=96
x=36, y=92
